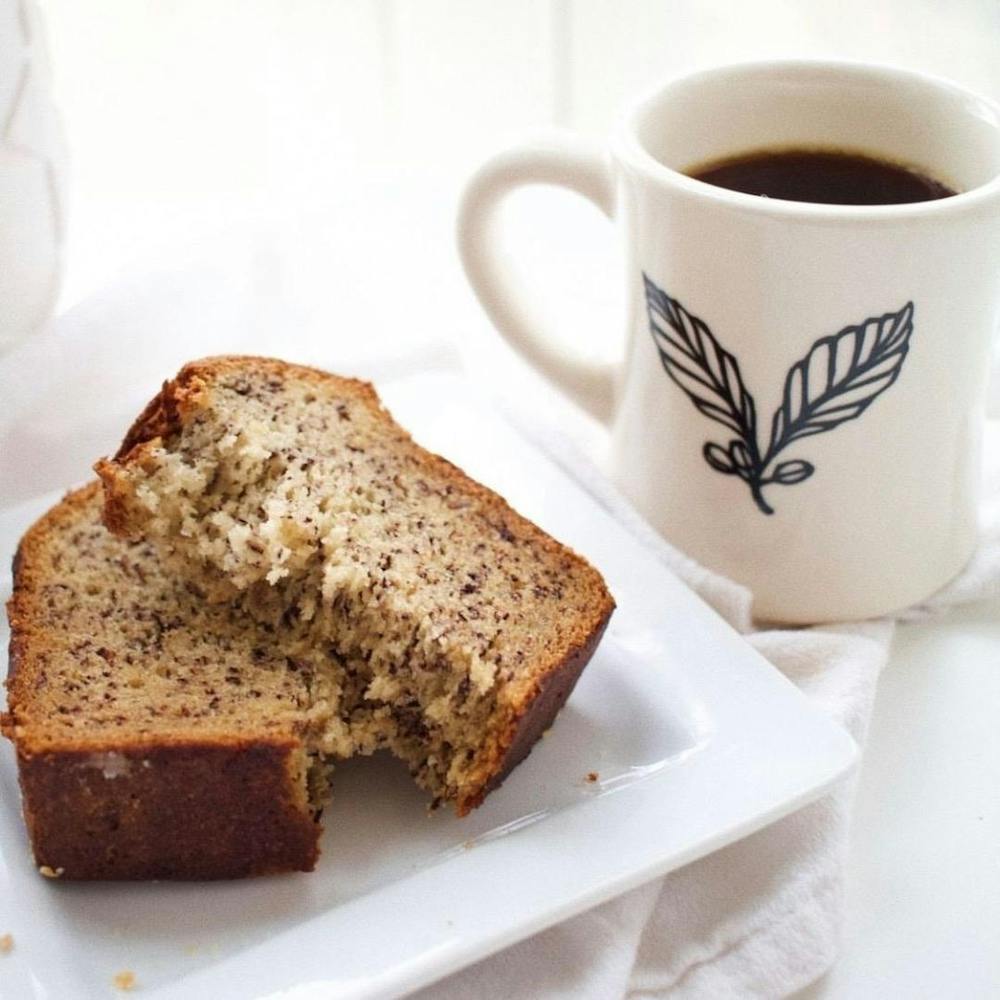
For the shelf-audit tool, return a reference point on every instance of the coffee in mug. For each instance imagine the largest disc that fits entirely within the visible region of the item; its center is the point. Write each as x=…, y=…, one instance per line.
x=822, y=176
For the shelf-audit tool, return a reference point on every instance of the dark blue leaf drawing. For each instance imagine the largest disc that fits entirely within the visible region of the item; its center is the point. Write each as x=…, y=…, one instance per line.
x=836, y=381
x=841, y=377
x=795, y=471
x=718, y=458
x=693, y=358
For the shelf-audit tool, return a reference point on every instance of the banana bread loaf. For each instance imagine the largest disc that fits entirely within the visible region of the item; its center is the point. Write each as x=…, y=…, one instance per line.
x=293, y=495
x=383, y=600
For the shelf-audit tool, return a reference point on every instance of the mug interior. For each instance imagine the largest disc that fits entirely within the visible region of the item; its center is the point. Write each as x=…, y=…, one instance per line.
x=931, y=126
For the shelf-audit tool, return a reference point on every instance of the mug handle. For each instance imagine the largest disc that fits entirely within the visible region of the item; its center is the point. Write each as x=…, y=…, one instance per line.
x=564, y=161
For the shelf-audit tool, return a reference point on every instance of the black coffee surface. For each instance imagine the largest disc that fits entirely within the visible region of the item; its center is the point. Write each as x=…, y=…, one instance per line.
x=827, y=178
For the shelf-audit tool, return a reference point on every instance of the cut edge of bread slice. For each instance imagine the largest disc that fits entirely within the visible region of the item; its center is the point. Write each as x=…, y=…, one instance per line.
x=212, y=803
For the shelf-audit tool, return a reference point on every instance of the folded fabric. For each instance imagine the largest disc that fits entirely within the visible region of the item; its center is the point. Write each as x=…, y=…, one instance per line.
x=762, y=917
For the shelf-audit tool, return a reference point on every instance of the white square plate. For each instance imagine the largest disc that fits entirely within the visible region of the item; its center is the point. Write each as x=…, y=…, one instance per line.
x=696, y=740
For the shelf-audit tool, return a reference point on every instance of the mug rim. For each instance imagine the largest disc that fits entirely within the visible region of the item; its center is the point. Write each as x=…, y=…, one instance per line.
x=629, y=149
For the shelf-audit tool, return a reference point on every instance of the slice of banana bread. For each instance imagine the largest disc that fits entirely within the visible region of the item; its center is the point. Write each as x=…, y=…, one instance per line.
x=157, y=736
x=294, y=494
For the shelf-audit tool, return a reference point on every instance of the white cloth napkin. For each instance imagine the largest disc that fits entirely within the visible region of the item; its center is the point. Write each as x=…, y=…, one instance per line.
x=757, y=919
x=762, y=917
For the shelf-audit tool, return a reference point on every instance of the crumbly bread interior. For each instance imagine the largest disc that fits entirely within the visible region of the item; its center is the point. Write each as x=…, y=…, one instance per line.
x=295, y=496
x=125, y=652
x=117, y=652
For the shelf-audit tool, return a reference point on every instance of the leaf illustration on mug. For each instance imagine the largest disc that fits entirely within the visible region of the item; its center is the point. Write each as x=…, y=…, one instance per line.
x=836, y=381
x=841, y=376
x=696, y=361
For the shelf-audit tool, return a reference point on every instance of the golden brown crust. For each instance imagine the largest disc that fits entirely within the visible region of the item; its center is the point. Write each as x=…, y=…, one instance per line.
x=179, y=397
x=200, y=811
x=178, y=806
x=165, y=412
x=535, y=714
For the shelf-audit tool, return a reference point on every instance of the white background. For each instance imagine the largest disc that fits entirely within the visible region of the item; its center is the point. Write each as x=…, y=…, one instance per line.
x=184, y=114
x=342, y=129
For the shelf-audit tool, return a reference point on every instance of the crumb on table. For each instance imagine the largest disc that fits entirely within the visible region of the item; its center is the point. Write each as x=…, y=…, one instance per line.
x=49, y=872
x=6, y=944
x=592, y=776
x=125, y=980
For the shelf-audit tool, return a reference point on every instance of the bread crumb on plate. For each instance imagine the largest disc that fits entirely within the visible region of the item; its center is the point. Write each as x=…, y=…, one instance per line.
x=6, y=944
x=125, y=980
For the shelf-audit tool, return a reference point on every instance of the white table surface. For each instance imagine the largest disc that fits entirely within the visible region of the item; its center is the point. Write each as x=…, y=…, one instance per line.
x=923, y=893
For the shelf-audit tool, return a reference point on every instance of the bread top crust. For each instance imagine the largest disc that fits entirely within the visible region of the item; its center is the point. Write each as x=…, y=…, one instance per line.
x=178, y=400
x=179, y=397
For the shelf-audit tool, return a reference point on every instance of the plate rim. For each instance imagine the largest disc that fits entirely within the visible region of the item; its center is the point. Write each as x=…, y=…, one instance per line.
x=790, y=788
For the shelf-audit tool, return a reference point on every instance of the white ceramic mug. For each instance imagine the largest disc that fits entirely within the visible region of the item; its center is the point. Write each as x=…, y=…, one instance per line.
x=801, y=400
x=32, y=177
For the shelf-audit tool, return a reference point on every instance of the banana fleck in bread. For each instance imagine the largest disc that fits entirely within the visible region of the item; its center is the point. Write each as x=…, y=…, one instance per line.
x=157, y=736
x=294, y=495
